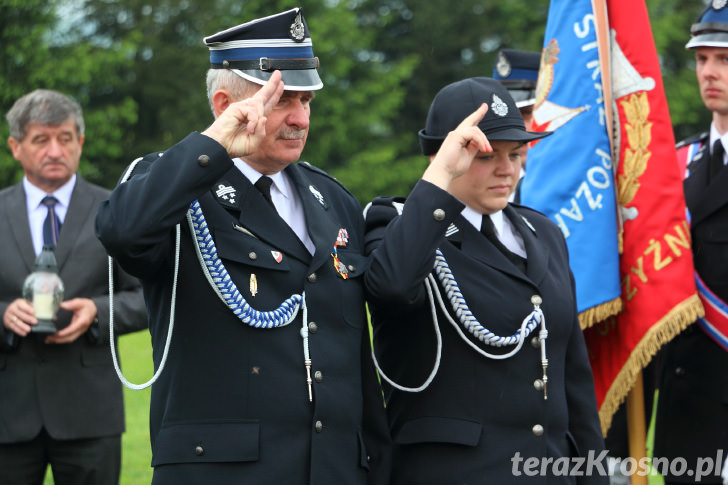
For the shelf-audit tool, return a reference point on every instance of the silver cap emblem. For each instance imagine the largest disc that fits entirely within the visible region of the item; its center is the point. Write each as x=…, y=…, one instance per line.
x=498, y=106
x=298, y=33
x=718, y=4
x=503, y=67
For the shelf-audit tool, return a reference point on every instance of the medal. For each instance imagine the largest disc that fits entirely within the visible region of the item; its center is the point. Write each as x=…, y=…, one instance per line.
x=253, y=284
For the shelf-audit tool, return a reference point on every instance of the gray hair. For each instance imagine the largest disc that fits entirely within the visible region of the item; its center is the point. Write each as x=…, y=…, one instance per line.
x=217, y=79
x=45, y=107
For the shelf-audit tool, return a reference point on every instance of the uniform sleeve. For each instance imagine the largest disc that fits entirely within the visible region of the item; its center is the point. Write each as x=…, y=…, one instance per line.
x=584, y=424
x=137, y=224
x=403, y=247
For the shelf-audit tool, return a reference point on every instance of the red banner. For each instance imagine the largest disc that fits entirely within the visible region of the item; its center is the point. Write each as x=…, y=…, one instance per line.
x=656, y=266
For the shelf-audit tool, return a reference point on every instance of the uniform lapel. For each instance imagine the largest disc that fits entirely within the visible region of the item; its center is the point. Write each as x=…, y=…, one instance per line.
x=537, y=254
x=477, y=246
x=321, y=228
x=257, y=216
x=16, y=213
x=701, y=197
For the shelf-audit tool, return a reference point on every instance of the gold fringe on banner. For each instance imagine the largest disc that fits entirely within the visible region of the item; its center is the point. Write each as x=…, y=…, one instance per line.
x=599, y=313
x=674, y=322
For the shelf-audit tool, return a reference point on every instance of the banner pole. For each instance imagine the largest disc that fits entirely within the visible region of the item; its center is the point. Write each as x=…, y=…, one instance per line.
x=636, y=428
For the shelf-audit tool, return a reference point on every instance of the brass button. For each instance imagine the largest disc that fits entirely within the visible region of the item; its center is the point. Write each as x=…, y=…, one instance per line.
x=203, y=160
x=535, y=342
x=312, y=327
x=438, y=214
x=537, y=429
x=252, y=255
x=312, y=278
x=319, y=426
x=538, y=384
x=318, y=376
x=199, y=450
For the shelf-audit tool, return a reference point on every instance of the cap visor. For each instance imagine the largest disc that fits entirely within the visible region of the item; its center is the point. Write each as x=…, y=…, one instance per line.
x=293, y=80
x=515, y=134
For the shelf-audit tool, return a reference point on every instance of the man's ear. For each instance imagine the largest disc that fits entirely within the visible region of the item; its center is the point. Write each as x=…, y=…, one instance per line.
x=221, y=99
x=14, y=146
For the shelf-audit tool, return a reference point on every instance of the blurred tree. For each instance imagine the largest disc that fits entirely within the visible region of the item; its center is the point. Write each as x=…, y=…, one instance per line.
x=671, y=21
x=40, y=51
x=138, y=69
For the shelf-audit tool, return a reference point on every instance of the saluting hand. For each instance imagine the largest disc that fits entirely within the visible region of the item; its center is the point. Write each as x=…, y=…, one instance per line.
x=458, y=150
x=241, y=127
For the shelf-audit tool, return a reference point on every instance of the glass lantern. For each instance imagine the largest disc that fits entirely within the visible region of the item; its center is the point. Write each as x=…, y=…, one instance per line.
x=43, y=288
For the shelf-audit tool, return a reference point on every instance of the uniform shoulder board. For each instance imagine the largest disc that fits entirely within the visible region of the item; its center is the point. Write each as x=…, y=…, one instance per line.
x=319, y=171
x=692, y=139
x=140, y=165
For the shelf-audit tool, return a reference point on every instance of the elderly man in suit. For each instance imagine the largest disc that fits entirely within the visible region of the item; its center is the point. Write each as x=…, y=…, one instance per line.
x=60, y=400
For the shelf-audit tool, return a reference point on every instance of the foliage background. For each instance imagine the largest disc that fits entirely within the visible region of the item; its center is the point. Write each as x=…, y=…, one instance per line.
x=138, y=67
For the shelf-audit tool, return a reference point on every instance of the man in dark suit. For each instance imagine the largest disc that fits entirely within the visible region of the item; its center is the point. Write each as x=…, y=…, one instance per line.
x=692, y=404
x=474, y=313
x=268, y=378
x=60, y=400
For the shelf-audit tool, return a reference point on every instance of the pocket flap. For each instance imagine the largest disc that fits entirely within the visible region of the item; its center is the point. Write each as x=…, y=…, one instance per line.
x=439, y=430
x=207, y=443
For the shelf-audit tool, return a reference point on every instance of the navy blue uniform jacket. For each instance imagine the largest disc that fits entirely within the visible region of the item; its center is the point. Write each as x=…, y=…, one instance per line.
x=692, y=412
x=480, y=419
x=231, y=405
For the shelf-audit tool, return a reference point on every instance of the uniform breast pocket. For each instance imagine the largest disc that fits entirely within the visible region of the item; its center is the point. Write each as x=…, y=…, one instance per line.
x=241, y=248
x=711, y=246
x=351, y=267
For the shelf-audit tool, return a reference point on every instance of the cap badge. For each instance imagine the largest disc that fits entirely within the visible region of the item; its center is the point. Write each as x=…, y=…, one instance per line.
x=503, y=66
x=498, y=106
x=718, y=4
x=298, y=33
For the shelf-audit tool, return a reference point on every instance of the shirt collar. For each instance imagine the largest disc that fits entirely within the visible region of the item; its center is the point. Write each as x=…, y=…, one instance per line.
x=476, y=219
x=34, y=195
x=714, y=135
x=253, y=175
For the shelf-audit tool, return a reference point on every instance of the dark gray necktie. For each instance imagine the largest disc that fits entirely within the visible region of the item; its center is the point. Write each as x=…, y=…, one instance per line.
x=716, y=159
x=263, y=185
x=488, y=229
x=51, y=225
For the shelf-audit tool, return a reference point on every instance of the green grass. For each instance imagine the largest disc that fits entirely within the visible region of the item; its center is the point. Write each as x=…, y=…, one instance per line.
x=136, y=360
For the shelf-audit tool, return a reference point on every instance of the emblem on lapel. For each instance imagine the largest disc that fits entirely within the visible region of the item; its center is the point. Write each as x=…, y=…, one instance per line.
x=226, y=194
x=277, y=256
x=528, y=223
x=319, y=197
x=451, y=229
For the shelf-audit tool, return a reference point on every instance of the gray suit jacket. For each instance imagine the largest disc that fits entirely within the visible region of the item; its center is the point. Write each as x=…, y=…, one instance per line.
x=72, y=390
